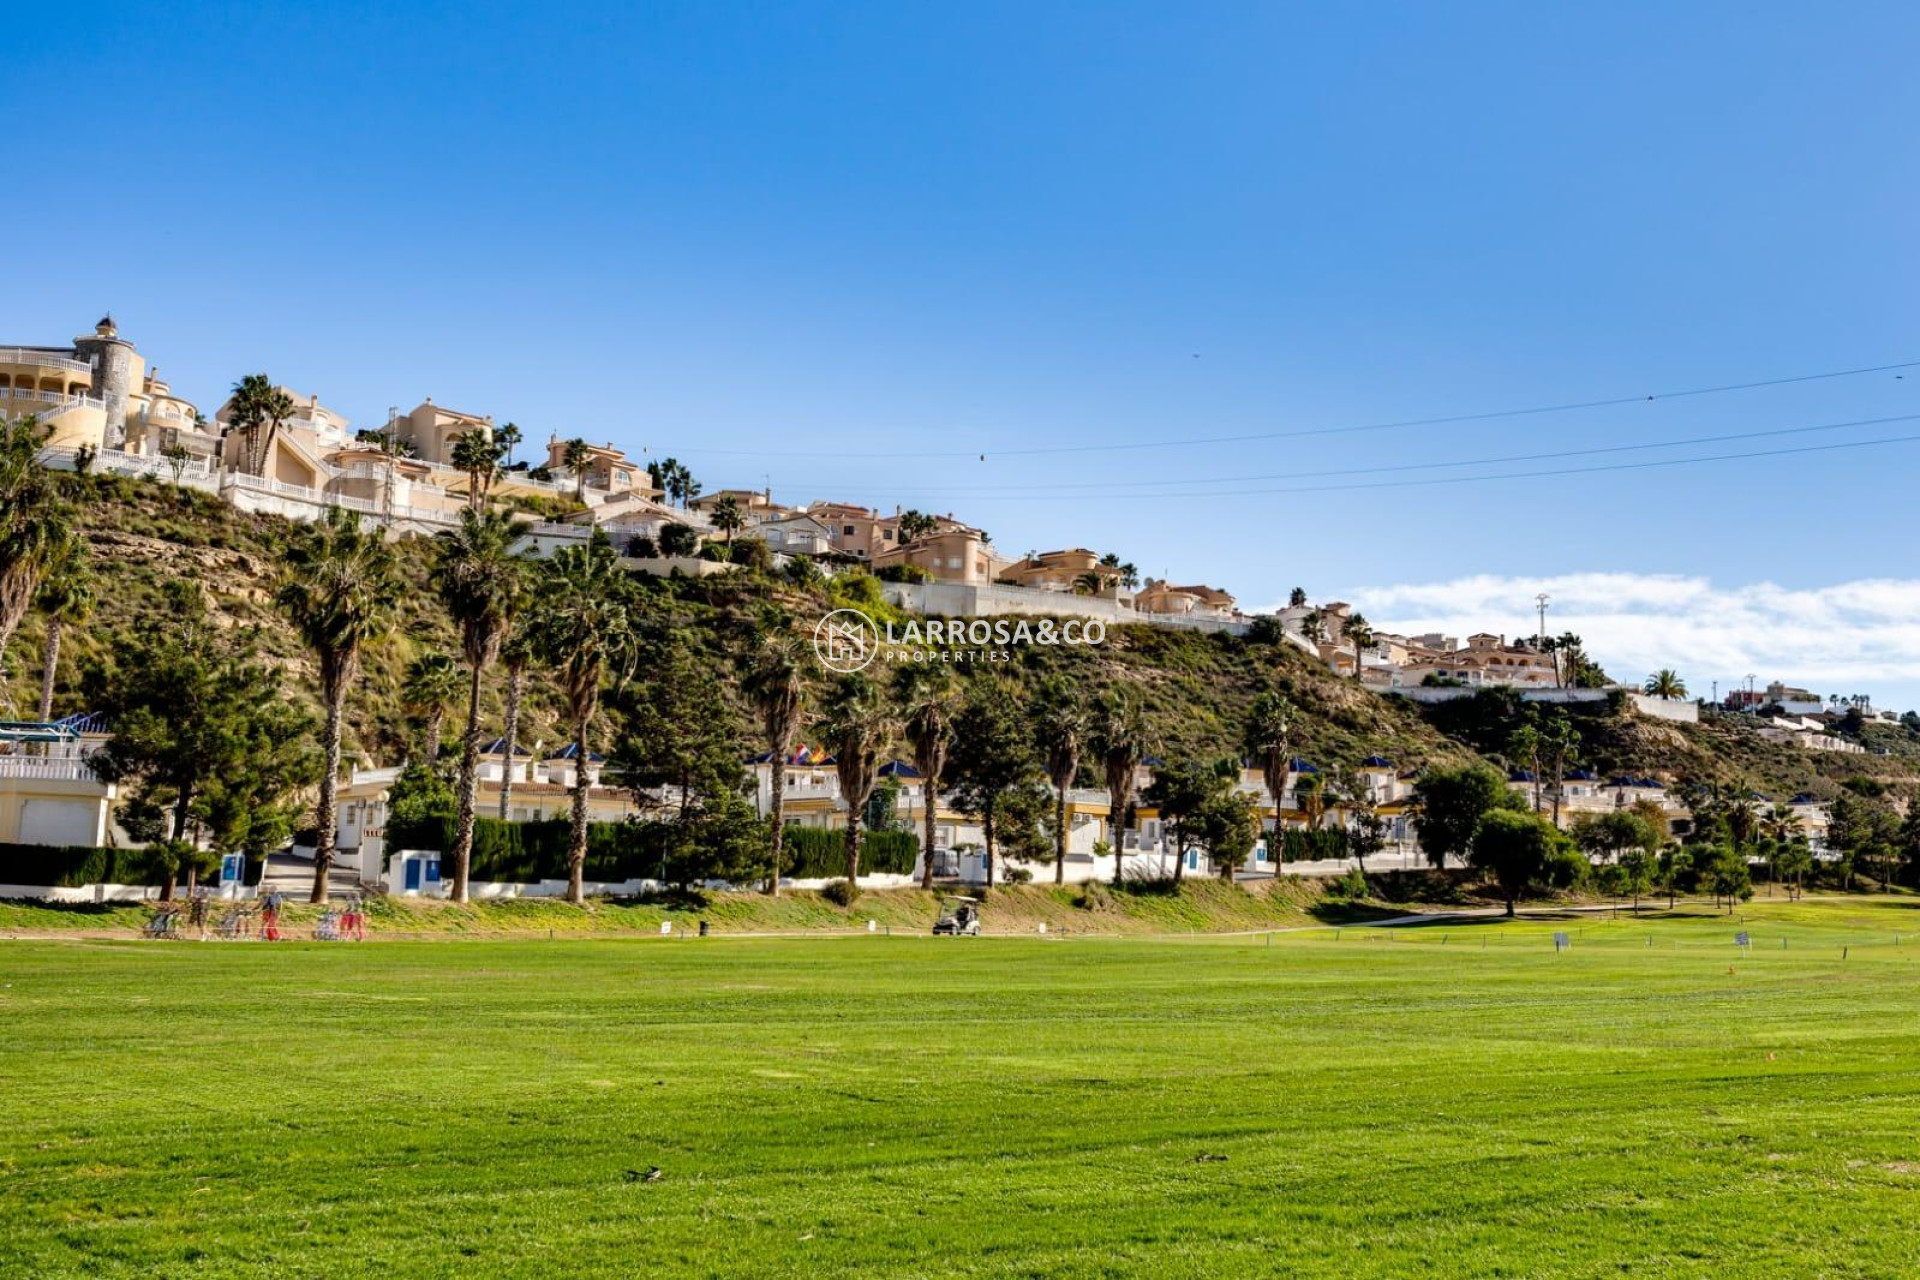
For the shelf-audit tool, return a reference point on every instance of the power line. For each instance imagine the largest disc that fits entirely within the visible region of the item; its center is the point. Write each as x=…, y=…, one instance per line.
x=996, y=490
x=1442, y=420
x=1508, y=475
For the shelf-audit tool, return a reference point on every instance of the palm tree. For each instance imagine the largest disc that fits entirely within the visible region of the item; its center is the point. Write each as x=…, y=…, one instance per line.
x=857, y=725
x=1743, y=820
x=481, y=580
x=340, y=588
x=1781, y=823
x=1359, y=633
x=1666, y=685
x=257, y=407
x=431, y=685
x=775, y=684
x=508, y=437
x=1559, y=740
x=1568, y=658
x=1089, y=583
x=1269, y=741
x=1525, y=744
x=475, y=453
x=1296, y=597
x=1060, y=729
x=1129, y=576
x=1312, y=795
x=1120, y=737
x=727, y=517
x=576, y=453
x=926, y=694
x=586, y=623
x=915, y=525
x=66, y=598
x=35, y=531
x=516, y=655
x=1313, y=628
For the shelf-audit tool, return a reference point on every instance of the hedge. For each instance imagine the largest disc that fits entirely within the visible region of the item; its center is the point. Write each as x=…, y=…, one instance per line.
x=817, y=853
x=523, y=852
x=62, y=866
x=73, y=866
x=1314, y=846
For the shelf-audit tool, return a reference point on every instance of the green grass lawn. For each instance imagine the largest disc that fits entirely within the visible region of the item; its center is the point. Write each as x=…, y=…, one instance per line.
x=1443, y=1100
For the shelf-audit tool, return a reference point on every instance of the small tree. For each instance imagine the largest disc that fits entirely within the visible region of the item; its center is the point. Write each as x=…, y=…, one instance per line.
x=1728, y=876
x=1674, y=867
x=1636, y=871
x=678, y=540
x=993, y=755
x=1450, y=804
x=1515, y=849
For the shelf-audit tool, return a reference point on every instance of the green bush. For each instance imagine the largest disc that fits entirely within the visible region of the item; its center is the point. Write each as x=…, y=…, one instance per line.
x=1298, y=845
x=1352, y=886
x=523, y=852
x=63, y=866
x=815, y=853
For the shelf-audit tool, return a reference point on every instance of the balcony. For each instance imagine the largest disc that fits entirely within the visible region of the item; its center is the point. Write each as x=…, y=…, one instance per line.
x=47, y=768
x=30, y=358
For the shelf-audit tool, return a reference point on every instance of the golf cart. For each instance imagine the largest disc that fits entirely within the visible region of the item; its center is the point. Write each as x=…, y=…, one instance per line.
x=959, y=916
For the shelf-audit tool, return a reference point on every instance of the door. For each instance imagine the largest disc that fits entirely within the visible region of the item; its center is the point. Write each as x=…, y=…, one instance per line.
x=413, y=875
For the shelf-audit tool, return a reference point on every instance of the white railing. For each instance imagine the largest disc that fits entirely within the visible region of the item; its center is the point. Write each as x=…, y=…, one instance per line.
x=38, y=397
x=43, y=360
x=46, y=769
x=71, y=405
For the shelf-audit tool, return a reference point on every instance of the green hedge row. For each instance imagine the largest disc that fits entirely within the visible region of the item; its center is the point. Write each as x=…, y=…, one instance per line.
x=1313, y=846
x=817, y=853
x=523, y=852
x=65, y=866
x=71, y=866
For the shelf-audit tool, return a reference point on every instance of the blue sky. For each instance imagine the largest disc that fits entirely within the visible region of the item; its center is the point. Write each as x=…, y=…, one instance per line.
x=847, y=250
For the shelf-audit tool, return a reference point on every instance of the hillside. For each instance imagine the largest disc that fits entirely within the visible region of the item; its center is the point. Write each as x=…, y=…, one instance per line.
x=1197, y=686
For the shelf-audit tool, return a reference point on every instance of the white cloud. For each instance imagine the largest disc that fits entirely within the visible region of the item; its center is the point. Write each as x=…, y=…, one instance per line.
x=1851, y=637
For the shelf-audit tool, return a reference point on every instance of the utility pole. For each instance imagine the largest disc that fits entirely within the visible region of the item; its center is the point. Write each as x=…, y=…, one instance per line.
x=1540, y=636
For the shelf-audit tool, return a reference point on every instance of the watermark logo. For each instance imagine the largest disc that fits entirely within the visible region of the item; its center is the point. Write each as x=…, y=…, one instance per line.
x=847, y=640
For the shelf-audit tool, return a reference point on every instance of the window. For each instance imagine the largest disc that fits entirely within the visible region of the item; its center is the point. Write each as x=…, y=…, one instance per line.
x=846, y=530
x=887, y=534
